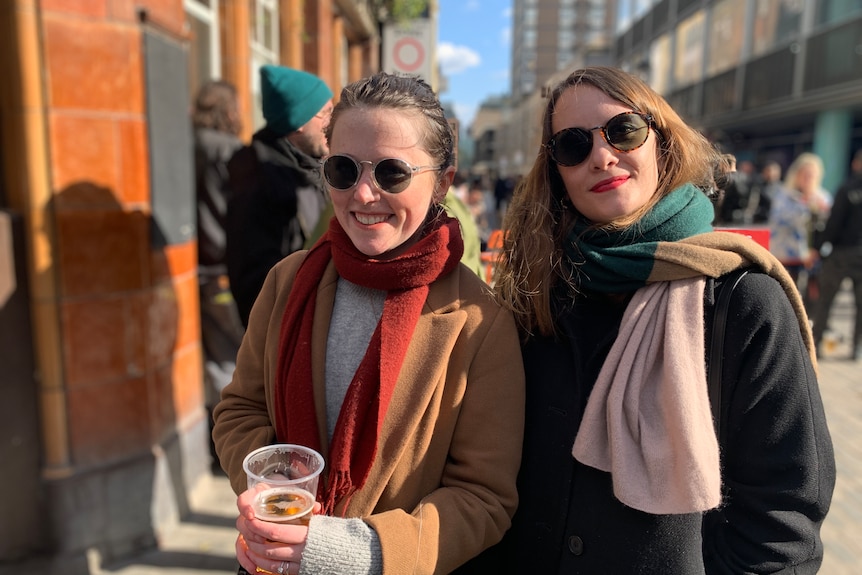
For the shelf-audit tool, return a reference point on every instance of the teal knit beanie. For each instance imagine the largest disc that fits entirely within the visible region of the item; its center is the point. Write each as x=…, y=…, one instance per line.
x=290, y=97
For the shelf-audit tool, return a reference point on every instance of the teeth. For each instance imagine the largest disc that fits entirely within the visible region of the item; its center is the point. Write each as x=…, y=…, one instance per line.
x=369, y=220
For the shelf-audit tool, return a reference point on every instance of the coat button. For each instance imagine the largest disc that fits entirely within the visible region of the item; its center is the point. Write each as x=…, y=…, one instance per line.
x=576, y=545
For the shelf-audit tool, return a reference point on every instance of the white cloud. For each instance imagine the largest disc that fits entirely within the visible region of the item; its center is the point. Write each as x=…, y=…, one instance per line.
x=472, y=6
x=456, y=59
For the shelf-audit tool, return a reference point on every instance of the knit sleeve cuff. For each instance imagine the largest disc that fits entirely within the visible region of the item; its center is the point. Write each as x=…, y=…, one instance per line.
x=343, y=546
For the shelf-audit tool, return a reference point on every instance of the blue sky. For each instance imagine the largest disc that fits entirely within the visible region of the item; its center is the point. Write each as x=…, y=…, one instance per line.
x=473, y=49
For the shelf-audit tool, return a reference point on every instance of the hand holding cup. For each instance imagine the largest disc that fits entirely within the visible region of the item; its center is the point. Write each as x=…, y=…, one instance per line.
x=285, y=478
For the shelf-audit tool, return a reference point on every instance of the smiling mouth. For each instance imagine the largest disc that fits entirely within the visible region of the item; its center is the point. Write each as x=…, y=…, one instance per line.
x=368, y=220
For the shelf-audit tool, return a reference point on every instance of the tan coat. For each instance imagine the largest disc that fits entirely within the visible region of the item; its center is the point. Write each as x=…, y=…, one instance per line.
x=443, y=485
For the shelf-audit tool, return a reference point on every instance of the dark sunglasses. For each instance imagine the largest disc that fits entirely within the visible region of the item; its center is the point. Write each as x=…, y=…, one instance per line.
x=391, y=175
x=624, y=132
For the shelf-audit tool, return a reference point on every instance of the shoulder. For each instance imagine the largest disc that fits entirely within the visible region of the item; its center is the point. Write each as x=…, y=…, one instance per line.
x=462, y=291
x=755, y=291
x=760, y=318
x=286, y=269
x=460, y=288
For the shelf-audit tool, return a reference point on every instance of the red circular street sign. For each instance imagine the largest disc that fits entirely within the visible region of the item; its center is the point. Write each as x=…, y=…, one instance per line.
x=406, y=59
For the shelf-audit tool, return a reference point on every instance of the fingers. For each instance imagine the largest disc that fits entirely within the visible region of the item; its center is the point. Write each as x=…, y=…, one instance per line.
x=257, y=532
x=242, y=555
x=265, y=565
x=280, y=568
x=245, y=503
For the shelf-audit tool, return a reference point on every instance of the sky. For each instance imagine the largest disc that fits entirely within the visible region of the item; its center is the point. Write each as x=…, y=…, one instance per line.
x=473, y=50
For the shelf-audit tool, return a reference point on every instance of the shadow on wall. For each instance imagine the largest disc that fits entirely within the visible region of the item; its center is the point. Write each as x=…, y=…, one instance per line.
x=21, y=504
x=118, y=315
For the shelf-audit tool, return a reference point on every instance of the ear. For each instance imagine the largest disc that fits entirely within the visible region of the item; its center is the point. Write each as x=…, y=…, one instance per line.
x=443, y=184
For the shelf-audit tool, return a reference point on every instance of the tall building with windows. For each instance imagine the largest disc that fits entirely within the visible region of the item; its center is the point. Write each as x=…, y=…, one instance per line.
x=765, y=79
x=548, y=37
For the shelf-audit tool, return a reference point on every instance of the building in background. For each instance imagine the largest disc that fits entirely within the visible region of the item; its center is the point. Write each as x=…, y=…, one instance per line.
x=547, y=36
x=765, y=79
x=103, y=421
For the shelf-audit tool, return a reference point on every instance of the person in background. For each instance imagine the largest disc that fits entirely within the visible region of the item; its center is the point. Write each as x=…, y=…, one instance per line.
x=478, y=205
x=278, y=196
x=840, y=247
x=455, y=205
x=380, y=350
x=733, y=195
x=610, y=264
x=796, y=217
x=763, y=188
x=217, y=126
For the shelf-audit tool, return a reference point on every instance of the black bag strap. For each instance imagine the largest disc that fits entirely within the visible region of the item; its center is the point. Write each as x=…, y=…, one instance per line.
x=716, y=347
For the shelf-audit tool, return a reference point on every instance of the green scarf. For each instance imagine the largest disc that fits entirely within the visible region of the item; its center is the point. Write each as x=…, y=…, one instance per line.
x=615, y=262
x=647, y=420
x=673, y=241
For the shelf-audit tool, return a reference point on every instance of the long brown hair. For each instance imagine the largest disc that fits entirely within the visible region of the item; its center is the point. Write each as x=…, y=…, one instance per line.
x=216, y=108
x=540, y=217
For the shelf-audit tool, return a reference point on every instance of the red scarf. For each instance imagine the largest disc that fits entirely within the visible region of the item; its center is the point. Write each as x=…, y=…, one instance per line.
x=405, y=279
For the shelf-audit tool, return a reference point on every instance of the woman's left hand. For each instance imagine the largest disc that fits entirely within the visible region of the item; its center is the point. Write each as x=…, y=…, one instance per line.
x=265, y=547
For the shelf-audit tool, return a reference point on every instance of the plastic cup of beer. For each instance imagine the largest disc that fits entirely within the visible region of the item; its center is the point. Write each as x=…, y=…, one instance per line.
x=285, y=478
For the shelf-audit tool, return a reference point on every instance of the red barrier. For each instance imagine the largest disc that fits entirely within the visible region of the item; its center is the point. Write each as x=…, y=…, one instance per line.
x=760, y=235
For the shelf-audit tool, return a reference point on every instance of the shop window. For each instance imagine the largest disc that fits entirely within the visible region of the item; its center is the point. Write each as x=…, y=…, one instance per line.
x=769, y=79
x=833, y=57
x=776, y=22
x=830, y=11
x=726, y=34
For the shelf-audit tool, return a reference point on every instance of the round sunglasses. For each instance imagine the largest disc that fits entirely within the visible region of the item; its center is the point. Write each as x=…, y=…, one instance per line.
x=391, y=175
x=624, y=132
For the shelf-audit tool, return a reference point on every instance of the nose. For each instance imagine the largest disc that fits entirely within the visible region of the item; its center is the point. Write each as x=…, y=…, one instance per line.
x=603, y=155
x=365, y=190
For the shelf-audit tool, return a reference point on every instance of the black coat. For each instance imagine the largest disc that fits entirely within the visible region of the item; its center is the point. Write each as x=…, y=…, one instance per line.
x=213, y=150
x=778, y=467
x=277, y=201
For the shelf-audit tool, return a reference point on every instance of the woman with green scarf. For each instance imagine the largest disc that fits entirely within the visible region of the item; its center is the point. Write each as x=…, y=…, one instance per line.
x=610, y=265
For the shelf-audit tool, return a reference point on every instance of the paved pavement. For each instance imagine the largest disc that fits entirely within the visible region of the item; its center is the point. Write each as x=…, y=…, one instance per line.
x=204, y=542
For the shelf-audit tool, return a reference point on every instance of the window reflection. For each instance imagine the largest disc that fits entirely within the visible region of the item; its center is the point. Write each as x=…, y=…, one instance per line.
x=775, y=23
x=726, y=35
x=689, y=50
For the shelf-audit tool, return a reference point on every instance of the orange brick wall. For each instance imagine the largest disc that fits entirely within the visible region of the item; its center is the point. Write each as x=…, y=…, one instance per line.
x=128, y=312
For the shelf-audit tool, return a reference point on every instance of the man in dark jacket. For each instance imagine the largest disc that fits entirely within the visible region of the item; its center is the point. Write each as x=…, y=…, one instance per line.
x=840, y=246
x=278, y=194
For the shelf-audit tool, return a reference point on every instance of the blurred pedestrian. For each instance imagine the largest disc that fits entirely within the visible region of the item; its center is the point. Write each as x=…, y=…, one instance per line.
x=763, y=188
x=798, y=213
x=477, y=202
x=455, y=205
x=217, y=126
x=840, y=246
x=504, y=187
x=278, y=195
x=734, y=194
x=379, y=349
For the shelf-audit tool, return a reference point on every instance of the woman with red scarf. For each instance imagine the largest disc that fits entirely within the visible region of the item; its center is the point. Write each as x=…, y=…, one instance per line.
x=381, y=351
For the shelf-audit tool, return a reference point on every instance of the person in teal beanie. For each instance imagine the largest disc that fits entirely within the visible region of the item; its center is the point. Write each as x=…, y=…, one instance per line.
x=278, y=197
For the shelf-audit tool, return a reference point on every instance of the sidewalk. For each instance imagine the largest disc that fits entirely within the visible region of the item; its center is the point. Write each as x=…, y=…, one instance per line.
x=841, y=388
x=201, y=544
x=204, y=543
